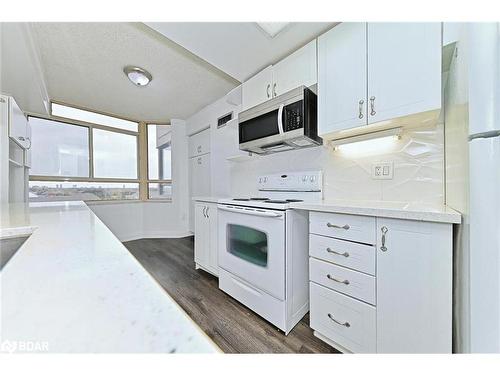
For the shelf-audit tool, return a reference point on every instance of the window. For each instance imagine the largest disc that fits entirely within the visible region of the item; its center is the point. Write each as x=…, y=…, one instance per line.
x=42, y=191
x=92, y=117
x=115, y=154
x=82, y=162
x=68, y=157
x=159, y=161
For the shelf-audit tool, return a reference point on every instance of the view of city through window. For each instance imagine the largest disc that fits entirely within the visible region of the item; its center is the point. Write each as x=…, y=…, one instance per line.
x=41, y=191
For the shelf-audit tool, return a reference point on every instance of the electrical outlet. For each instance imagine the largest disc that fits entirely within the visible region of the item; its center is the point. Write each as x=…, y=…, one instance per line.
x=383, y=171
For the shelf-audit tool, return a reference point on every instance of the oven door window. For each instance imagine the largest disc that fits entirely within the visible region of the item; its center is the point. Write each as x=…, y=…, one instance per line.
x=248, y=244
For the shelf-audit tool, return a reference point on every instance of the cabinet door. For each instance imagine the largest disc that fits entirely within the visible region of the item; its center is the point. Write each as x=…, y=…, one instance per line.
x=201, y=235
x=199, y=143
x=199, y=180
x=296, y=70
x=27, y=152
x=342, y=78
x=414, y=287
x=17, y=124
x=257, y=89
x=404, y=69
x=213, y=260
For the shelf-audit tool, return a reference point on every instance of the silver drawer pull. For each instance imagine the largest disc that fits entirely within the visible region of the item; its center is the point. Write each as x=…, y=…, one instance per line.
x=384, y=232
x=345, y=324
x=344, y=254
x=346, y=282
x=330, y=225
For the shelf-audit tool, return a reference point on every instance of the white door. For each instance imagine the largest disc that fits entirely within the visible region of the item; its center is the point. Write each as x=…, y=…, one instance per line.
x=414, y=287
x=199, y=143
x=404, y=69
x=202, y=235
x=298, y=69
x=252, y=246
x=257, y=89
x=342, y=78
x=213, y=256
x=17, y=124
x=199, y=180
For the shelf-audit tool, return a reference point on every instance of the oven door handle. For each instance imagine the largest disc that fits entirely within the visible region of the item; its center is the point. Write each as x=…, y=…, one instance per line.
x=280, y=118
x=247, y=211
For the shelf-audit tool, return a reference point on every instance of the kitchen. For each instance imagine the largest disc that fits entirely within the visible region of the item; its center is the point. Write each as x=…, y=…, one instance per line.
x=330, y=188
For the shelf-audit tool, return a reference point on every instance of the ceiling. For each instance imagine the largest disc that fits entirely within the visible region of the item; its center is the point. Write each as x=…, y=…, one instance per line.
x=83, y=65
x=240, y=49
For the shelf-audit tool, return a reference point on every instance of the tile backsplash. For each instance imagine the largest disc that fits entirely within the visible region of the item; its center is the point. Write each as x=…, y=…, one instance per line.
x=418, y=159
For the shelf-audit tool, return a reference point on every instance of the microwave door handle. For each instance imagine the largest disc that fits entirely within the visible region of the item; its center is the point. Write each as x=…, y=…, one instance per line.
x=247, y=211
x=280, y=118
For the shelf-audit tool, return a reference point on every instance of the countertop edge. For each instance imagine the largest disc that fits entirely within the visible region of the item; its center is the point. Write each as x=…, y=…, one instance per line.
x=408, y=214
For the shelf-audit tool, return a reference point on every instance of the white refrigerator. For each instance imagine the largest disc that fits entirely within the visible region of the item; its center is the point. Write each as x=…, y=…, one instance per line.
x=472, y=116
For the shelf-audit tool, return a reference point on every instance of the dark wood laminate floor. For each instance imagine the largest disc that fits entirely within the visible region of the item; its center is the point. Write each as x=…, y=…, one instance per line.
x=232, y=326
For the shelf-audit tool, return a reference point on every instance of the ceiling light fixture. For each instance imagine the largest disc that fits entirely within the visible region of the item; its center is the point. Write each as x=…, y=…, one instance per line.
x=137, y=76
x=272, y=28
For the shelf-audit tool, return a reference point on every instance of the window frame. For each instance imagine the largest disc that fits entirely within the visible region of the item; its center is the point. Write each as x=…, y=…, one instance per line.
x=146, y=171
x=91, y=126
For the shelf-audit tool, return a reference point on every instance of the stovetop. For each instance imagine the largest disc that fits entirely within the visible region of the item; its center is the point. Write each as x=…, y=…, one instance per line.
x=268, y=200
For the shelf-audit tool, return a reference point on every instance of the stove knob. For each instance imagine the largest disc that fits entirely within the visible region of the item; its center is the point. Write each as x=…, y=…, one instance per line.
x=304, y=178
x=260, y=180
x=265, y=179
x=311, y=179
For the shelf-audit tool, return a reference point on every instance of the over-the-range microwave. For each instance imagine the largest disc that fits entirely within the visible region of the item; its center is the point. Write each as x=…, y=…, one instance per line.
x=286, y=122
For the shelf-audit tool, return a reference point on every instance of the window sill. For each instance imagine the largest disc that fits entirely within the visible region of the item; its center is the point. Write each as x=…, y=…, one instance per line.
x=126, y=201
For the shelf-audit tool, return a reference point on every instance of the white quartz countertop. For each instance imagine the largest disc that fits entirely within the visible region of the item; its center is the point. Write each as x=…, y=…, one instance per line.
x=397, y=210
x=206, y=199
x=73, y=287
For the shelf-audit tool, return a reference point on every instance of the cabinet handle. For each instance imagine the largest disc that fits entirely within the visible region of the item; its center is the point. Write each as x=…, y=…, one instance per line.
x=330, y=277
x=208, y=216
x=199, y=149
x=2, y=100
x=267, y=90
x=330, y=225
x=345, y=324
x=344, y=254
x=372, y=106
x=274, y=90
x=384, y=232
x=199, y=161
x=29, y=140
x=361, y=102
x=21, y=138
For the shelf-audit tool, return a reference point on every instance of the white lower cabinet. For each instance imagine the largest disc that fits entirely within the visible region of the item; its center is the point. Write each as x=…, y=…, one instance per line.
x=205, y=237
x=400, y=304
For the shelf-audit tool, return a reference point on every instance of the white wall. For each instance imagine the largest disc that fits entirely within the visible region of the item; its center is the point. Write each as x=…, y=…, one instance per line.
x=418, y=170
x=129, y=221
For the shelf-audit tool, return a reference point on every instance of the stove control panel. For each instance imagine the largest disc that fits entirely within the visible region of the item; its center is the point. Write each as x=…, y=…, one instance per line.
x=292, y=181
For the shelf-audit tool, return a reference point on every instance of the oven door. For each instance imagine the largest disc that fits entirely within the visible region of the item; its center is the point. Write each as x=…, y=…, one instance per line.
x=252, y=246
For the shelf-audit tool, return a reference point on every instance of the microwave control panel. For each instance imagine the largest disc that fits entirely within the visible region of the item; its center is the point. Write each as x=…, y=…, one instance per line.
x=294, y=118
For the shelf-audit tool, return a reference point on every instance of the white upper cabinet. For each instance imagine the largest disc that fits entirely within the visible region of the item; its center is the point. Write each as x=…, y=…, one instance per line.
x=342, y=78
x=258, y=89
x=404, y=69
x=298, y=69
x=369, y=73
x=18, y=125
x=199, y=144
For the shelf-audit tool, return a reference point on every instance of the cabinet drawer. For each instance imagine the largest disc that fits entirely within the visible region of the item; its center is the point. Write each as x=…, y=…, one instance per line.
x=347, y=227
x=344, y=320
x=357, y=256
x=199, y=143
x=352, y=283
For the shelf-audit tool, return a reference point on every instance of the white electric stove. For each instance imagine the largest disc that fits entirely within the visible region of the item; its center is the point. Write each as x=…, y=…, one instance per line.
x=263, y=247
